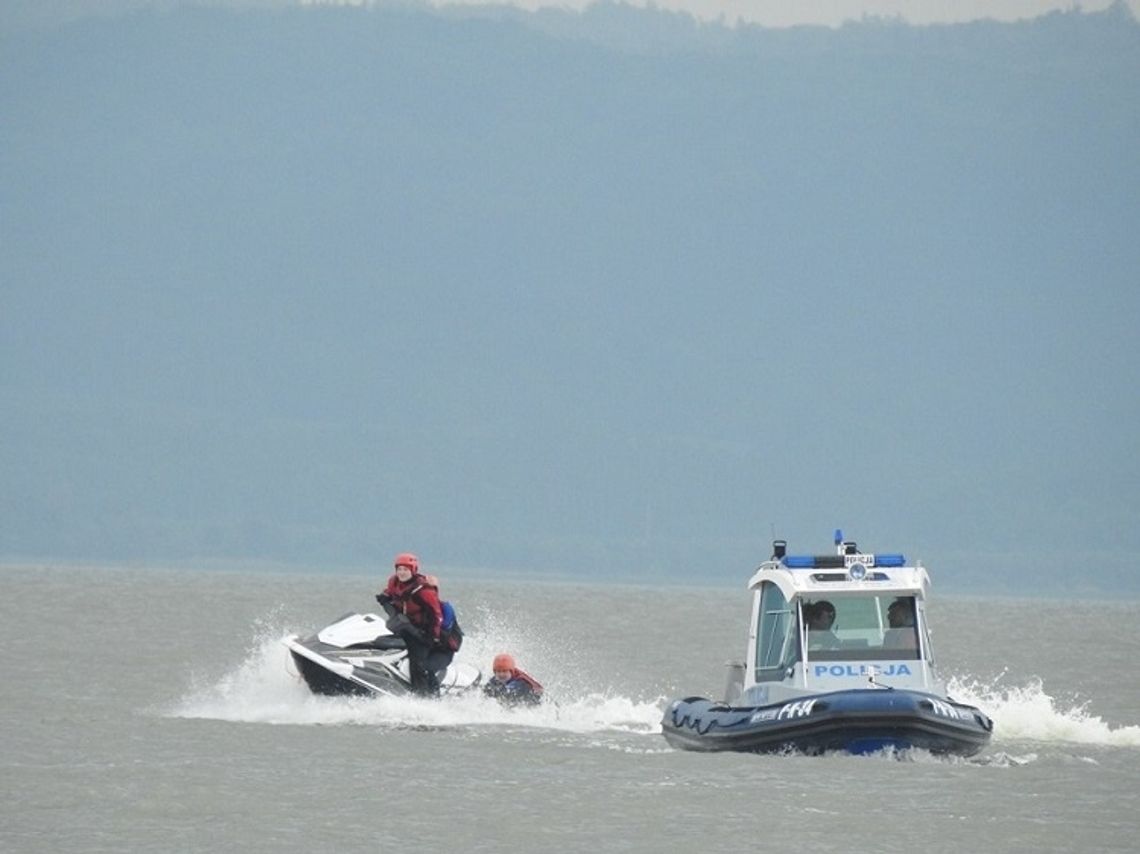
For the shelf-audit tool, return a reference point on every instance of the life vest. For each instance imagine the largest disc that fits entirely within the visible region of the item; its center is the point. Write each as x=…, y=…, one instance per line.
x=410, y=599
x=520, y=688
x=535, y=685
x=405, y=599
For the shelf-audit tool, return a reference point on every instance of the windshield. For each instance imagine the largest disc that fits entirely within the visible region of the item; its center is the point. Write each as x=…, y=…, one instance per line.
x=861, y=628
x=777, y=641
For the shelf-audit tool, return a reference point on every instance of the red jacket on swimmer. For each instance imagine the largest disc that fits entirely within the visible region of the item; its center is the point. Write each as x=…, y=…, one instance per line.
x=415, y=595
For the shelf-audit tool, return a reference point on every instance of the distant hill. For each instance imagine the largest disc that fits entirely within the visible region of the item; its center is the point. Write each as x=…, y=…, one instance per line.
x=519, y=290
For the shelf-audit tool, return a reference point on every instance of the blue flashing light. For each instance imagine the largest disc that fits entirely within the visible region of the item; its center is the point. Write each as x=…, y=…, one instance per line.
x=838, y=536
x=837, y=561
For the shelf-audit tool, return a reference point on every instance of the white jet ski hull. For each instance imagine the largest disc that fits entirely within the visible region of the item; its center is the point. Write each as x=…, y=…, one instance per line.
x=358, y=655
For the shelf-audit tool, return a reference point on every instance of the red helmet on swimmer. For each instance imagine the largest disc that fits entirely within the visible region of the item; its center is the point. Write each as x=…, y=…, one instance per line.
x=503, y=661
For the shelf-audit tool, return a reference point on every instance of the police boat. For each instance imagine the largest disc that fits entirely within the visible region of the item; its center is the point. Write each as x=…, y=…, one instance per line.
x=358, y=654
x=839, y=658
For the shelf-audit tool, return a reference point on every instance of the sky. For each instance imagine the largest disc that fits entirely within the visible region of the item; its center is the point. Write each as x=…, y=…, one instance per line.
x=768, y=13
x=785, y=13
x=328, y=284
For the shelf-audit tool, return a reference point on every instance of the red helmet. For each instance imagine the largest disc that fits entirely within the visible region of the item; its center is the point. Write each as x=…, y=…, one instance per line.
x=503, y=661
x=407, y=559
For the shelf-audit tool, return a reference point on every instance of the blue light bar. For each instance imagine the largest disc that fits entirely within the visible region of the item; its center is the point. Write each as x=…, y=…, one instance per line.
x=813, y=561
x=837, y=561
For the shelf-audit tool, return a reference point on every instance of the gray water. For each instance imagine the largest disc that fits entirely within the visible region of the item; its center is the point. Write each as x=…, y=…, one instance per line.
x=156, y=710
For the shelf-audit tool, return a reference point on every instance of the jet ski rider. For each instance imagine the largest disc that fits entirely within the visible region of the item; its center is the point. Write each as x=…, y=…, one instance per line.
x=412, y=604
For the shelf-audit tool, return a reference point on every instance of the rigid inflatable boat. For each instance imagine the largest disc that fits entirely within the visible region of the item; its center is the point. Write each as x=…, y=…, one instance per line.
x=839, y=658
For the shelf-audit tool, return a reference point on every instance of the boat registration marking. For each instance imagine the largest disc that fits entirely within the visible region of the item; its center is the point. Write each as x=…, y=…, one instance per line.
x=788, y=711
x=945, y=710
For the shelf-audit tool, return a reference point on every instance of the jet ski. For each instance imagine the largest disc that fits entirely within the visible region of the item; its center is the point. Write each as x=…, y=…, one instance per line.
x=359, y=655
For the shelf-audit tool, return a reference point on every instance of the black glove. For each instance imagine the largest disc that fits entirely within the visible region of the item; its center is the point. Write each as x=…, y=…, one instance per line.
x=399, y=624
x=386, y=603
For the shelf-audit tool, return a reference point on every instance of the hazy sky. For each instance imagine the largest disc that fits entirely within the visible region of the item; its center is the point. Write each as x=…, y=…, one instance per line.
x=779, y=13
x=320, y=286
x=15, y=14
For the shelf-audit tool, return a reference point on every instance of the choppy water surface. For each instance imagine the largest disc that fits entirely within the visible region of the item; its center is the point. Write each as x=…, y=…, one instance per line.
x=158, y=710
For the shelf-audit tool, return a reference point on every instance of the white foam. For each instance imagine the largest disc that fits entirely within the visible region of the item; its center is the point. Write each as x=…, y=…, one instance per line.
x=265, y=688
x=1028, y=712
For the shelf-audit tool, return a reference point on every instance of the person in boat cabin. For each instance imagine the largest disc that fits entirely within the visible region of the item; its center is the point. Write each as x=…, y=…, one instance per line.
x=415, y=598
x=900, y=618
x=819, y=617
x=510, y=685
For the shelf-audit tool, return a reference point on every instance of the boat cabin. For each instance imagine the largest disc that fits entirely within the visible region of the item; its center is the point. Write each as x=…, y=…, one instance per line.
x=833, y=622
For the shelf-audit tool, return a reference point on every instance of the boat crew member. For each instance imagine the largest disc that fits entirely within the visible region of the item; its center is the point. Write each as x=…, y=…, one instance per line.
x=900, y=618
x=412, y=604
x=819, y=617
x=510, y=685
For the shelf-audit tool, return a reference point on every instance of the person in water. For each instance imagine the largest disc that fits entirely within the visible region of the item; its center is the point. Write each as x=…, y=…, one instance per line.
x=820, y=616
x=510, y=685
x=411, y=601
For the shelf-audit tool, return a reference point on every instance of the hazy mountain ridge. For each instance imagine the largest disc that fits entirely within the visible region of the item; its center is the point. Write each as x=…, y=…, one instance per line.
x=311, y=284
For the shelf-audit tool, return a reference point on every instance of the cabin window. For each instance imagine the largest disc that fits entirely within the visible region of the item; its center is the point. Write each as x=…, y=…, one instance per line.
x=777, y=646
x=864, y=628
x=900, y=616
